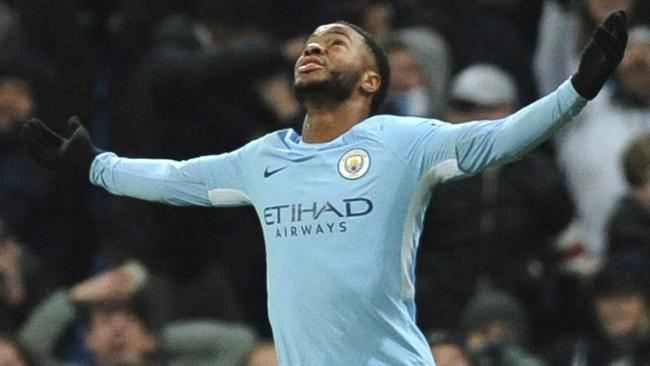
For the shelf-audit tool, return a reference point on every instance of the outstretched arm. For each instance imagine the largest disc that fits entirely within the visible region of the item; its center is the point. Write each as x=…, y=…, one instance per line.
x=446, y=151
x=179, y=183
x=482, y=144
x=165, y=181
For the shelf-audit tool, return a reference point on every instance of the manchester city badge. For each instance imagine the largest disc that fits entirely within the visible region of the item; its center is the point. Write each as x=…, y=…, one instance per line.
x=354, y=164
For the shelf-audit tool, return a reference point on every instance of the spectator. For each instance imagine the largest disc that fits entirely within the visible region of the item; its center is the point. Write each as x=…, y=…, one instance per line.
x=629, y=226
x=121, y=332
x=621, y=316
x=23, y=191
x=42, y=73
x=27, y=195
x=421, y=58
x=413, y=43
x=408, y=94
x=23, y=280
x=481, y=91
x=493, y=227
x=447, y=349
x=18, y=102
x=433, y=57
x=495, y=325
x=590, y=149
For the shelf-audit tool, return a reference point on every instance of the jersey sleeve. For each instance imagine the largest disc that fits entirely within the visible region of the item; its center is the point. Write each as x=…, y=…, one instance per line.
x=455, y=150
x=206, y=181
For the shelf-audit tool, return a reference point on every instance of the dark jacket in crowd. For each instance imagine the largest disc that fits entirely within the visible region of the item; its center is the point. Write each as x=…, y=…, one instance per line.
x=597, y=351
x=492, y=227
x=629, y=231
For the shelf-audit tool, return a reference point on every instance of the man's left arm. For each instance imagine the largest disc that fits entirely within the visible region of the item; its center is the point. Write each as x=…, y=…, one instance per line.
x=481, y=144
x=180, y=183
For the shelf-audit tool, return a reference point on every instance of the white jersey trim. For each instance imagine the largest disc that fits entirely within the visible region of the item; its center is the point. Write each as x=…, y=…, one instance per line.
x=441, y=172
x=228, y=197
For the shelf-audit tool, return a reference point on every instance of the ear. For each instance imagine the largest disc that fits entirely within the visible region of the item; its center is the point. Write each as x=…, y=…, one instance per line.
x=370, y=82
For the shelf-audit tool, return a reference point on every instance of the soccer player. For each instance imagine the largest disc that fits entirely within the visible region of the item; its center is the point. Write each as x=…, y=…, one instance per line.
x=341, y=205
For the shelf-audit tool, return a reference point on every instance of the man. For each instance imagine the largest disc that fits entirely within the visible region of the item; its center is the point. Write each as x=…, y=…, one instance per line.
x=409, y=94
x=123, y=330
x=341, y=205
x=628, y=229
x=620, y=316
x=448, y=349
x=495, y=328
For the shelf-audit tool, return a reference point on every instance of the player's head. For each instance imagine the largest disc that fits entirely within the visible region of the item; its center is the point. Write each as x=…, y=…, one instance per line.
x=341, y=60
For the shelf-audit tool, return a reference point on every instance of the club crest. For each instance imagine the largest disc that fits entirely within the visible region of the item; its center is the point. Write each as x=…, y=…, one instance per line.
x=354, y=164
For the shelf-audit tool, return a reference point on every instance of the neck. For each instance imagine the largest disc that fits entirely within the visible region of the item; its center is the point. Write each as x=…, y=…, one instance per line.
x=325, y=123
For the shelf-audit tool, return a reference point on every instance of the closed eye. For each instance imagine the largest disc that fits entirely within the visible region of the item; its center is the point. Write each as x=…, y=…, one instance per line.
x=338, y=42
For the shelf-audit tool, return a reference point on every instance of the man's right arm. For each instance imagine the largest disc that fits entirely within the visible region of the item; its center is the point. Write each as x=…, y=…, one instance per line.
x=214, y=180
x=206, y=181
x=178, y=183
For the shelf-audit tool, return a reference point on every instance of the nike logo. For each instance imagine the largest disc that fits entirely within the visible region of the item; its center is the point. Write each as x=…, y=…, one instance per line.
x=268, y=173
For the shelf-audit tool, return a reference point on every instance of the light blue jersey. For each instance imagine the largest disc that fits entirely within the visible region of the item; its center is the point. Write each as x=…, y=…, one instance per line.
x=342, y=219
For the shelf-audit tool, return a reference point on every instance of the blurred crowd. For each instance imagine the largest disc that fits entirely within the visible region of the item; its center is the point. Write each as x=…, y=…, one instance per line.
x=544, y=261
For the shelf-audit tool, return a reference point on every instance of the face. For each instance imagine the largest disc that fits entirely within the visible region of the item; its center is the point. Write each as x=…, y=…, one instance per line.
x=623, y=316
x=16, y=102
x=10, y=356
x=405, y=73
x=634, y=71
x=263, y=355
x=449, y=355
x=600, y=9
x=118, y=337
x=335, y=62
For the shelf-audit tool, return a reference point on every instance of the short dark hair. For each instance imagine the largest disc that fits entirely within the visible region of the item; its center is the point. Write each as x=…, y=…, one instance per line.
x=636, y=161
x=621, y=278
x=383, y=67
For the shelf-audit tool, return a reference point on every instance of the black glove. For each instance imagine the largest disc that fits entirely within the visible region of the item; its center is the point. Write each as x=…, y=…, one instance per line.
x=601, y=55
x=72, y=155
